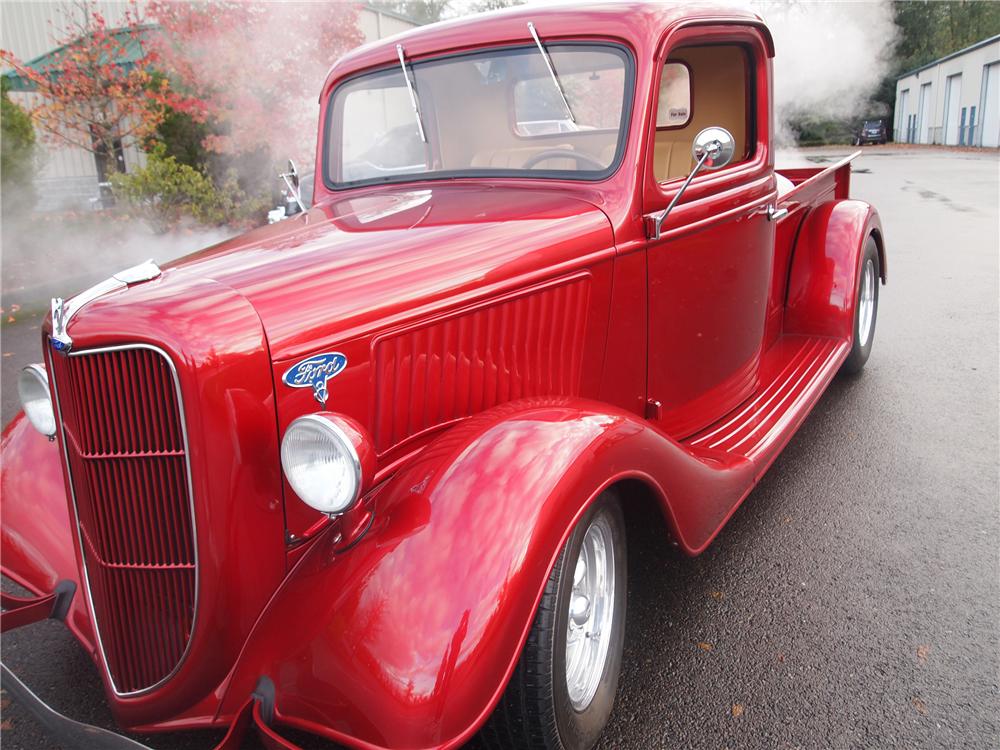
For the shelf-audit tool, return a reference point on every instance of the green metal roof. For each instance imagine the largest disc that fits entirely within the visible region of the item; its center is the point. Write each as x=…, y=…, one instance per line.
x=49, y=63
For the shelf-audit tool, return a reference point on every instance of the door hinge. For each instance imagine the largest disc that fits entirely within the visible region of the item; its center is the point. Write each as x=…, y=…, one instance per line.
x=654, y=409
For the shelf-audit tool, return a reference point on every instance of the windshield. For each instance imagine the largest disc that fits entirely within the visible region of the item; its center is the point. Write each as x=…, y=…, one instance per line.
x=495, y=113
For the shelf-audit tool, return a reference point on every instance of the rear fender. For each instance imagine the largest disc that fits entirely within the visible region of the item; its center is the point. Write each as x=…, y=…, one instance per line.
x=825, y=266
x=36, y=535
x=408, y=639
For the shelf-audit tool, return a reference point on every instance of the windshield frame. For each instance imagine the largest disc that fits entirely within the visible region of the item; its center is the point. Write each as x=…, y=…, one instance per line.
x=572, y=175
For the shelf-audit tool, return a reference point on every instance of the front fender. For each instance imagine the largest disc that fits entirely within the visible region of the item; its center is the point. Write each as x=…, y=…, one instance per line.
x=825, y=265
x=36, y=534
x=408, y=639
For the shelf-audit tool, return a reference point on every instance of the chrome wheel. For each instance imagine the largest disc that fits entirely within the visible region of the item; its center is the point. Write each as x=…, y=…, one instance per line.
x=866, y=303
x=591, y=613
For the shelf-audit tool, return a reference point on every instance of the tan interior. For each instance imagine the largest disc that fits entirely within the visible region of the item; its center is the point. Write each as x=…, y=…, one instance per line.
x=718, y=98
x=488, y=114
x=515, y=158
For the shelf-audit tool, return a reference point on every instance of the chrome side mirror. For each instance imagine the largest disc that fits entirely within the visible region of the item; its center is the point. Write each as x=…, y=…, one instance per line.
x=713, y=148
x=291, y=178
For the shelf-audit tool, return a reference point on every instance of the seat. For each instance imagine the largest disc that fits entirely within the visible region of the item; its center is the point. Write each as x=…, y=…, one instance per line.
x=672, y=155
x=515, y=158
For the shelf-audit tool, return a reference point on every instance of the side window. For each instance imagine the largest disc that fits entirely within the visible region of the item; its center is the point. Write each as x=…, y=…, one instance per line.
x=702, y=87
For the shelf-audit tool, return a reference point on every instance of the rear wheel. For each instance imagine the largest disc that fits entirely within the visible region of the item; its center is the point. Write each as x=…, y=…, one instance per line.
x=563, y=689
x=865, y=310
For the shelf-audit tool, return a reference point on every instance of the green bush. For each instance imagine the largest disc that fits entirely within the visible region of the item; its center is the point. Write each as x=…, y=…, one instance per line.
x=182, y=136
x=167, y=192
x=812, y=130
x=17, y=155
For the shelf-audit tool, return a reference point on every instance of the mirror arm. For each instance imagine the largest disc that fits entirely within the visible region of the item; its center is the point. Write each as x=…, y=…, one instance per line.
x=293, y=190
x=656, y=221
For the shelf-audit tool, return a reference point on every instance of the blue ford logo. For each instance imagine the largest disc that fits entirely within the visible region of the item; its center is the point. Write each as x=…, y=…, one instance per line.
x=315, y=372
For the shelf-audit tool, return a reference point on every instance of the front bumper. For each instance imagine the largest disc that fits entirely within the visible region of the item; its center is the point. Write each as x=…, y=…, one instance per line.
x=257, y=711
x=66, y=731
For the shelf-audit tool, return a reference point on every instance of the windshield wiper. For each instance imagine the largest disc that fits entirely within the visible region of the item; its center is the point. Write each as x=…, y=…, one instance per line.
x=413, y=92
x=552, y=71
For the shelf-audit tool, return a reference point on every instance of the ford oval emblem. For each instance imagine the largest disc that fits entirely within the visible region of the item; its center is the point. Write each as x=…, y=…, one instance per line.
x=314, y=373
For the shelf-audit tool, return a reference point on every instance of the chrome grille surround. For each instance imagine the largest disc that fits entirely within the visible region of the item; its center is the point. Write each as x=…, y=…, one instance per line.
x=53, y=369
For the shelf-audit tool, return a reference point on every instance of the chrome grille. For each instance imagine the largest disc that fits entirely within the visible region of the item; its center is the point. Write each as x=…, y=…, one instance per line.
x=121, y=414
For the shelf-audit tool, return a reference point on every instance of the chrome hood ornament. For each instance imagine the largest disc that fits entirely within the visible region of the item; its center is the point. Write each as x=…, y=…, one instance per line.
x=64, y=310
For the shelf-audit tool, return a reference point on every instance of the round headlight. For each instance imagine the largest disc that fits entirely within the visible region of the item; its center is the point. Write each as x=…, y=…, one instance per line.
x=33, y=388
x=326, y=459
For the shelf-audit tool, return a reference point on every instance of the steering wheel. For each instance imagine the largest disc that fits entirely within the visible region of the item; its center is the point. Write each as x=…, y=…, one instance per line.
x=562, y=153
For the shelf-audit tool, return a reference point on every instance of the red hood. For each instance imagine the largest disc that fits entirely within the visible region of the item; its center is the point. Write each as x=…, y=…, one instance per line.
x=331, y=273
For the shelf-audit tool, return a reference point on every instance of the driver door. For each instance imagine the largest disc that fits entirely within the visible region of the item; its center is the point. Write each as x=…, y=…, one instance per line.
x=710, y=270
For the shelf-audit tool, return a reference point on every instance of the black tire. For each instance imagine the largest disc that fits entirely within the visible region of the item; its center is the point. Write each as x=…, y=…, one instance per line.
x=862, y=349
x=535, y=711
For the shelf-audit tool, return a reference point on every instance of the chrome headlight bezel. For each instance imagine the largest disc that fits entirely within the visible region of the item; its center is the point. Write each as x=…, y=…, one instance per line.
x=339, y=437
x=36, y=399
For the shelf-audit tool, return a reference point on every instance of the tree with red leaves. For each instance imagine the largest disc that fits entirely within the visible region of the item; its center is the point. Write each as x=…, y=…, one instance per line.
x=254, y=69
x=97, y=92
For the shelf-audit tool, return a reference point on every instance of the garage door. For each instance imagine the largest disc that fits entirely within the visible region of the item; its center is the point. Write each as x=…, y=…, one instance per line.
x=991, y=105
x=952, y=98
x=924, y=114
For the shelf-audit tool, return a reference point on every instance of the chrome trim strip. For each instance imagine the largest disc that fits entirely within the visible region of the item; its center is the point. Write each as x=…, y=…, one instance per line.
x=76, y=515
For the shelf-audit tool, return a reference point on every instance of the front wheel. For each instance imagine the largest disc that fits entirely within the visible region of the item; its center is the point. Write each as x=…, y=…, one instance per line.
x=563, y=689
x=865, y=310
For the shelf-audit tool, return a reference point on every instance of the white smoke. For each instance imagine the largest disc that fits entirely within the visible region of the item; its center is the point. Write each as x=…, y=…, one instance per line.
x=829, y=57
x=66, y=254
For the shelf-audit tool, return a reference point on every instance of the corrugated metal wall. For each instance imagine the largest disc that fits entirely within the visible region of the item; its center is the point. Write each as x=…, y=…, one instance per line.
x=67, y=175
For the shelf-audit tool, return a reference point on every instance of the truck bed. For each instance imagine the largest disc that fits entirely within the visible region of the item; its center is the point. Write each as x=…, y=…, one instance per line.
x=816, y=184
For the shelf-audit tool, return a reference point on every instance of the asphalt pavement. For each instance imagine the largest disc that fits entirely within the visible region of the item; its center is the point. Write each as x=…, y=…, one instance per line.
x=854, y=600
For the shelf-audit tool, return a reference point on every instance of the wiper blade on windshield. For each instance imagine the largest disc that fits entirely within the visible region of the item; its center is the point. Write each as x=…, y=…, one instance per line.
x=552, y=71
x=413, y=92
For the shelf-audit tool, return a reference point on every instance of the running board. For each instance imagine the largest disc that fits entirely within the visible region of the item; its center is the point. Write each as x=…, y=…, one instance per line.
x=794, y=373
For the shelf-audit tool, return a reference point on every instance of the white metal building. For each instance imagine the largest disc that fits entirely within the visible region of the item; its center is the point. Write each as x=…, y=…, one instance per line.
x=68, y=175
x=954, y=100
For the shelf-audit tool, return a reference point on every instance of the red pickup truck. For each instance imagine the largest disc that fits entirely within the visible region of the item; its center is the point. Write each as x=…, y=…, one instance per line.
x=365, y=472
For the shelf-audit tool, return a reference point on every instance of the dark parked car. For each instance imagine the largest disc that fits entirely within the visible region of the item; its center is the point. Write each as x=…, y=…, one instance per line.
x=871, y=131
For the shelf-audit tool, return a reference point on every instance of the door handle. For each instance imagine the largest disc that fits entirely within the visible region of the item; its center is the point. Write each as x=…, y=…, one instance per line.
x=774, y=214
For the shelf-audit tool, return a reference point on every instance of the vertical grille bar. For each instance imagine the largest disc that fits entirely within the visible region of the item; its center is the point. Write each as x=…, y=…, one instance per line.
x=120, y=411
